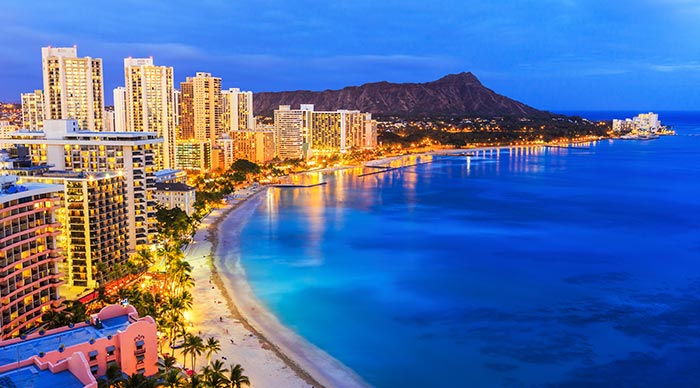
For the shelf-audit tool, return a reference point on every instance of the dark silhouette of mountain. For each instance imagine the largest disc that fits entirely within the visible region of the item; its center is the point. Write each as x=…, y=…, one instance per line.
x=453, y=95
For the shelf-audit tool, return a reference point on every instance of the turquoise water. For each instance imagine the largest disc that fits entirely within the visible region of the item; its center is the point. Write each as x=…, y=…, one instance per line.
x=541, y=267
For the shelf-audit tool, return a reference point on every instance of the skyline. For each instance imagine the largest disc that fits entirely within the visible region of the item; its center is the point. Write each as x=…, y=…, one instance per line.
x=569, y=55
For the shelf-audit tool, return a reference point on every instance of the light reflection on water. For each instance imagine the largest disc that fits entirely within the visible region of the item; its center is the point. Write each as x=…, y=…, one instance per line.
x=511, y=267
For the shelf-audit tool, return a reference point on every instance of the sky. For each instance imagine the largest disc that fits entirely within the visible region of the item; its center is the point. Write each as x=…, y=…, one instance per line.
x=551, y=54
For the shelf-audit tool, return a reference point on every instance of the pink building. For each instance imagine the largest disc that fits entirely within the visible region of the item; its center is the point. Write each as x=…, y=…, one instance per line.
x=116, y=335
x=29, y=256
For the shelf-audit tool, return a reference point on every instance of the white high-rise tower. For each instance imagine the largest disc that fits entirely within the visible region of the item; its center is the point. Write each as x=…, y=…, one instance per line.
x=73, y=87
x=149, y=104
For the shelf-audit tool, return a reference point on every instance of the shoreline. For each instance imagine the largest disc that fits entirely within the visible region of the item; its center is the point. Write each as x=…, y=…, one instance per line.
x=270, y=353
x=289, y=359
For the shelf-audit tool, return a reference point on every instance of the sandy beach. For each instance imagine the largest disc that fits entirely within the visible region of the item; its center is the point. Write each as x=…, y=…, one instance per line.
x=225, y=308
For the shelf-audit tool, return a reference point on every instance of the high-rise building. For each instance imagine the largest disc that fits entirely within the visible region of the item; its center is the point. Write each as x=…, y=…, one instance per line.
x=226, y=147
x=200, y=108
x=109, y=118
x=255, y=146
x=237, y=110
x=73, y=87
x=119, y=109
x=289, y=126
x=176, y=114
x=93, y=218
x=149, y=105
x=29, y=277
x=33, y=110
x=340, y=131
x=131, y=154
x=193, y=155
x=185, y=128
x=6, y=129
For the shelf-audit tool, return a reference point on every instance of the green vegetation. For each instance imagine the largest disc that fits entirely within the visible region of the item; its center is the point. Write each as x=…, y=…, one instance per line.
x=213, y=188
x=175, y=225
x=215, y=375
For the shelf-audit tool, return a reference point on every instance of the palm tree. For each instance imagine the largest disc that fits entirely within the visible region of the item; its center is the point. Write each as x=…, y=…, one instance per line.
x=196, y=348
x=212, y=346
x=113, y=377
x=173, y=379
x=214, y=375
x=144, y=258
x=138, y=380
x=77, y=311
x=54, y=319
x=166, y=364
x=195, y=381
x=236, y=378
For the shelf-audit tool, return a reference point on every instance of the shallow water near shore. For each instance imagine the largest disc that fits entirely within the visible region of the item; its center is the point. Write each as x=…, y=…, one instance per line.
x=545, y=266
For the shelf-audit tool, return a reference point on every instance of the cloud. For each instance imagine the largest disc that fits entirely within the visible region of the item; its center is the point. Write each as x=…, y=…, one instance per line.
x=675, y=67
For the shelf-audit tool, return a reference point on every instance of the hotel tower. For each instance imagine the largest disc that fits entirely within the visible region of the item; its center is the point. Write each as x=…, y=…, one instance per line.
x=148, y=102
x=66, y=148
x=200, y=101
x=73, y=87
x=237, y=110
x=29, y=277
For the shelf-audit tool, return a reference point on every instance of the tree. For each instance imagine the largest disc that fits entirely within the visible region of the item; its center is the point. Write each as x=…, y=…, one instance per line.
x=54, y=319
x=245, y=166
x=138, y=380
x=144, y=258
x=194, y=345
x=113, y=377
x=237, y=378
x=195, y=381
x=214, y=375
x=212, y=346
x=174, y=224
x=173, y=379
x=166, y=364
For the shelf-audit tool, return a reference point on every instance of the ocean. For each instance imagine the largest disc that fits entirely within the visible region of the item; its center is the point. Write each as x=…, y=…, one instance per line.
x=529, y=267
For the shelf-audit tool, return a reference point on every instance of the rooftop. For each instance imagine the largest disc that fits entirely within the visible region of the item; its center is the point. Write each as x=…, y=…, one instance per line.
x=33, y=377
x=167, y=172
x=22, y=350
x=10, y=190
x=173, y=187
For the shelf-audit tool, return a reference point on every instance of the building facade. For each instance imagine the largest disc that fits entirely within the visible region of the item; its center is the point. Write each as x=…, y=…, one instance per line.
x=290, y=126
x=255, y=146
x=94, y=218
x=73, y=87
x=131, y=154
x=200, y=108
x=340, y=131
x=33, y=110
x=29, y=255
x=119, y=95
x=115, y=335
x=172, y=195
x=193, y=155
x=237, y=110
x=149, y=105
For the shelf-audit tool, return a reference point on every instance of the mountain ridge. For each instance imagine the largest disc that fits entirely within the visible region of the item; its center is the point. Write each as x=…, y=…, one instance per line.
x=459, y=94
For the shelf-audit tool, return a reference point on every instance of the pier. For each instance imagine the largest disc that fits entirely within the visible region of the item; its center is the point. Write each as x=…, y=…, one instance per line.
x=569, y=146
x=384, y=168
x=297, y=185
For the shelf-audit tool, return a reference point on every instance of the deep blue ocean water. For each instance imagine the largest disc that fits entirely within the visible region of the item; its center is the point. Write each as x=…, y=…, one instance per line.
x=546, y=267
